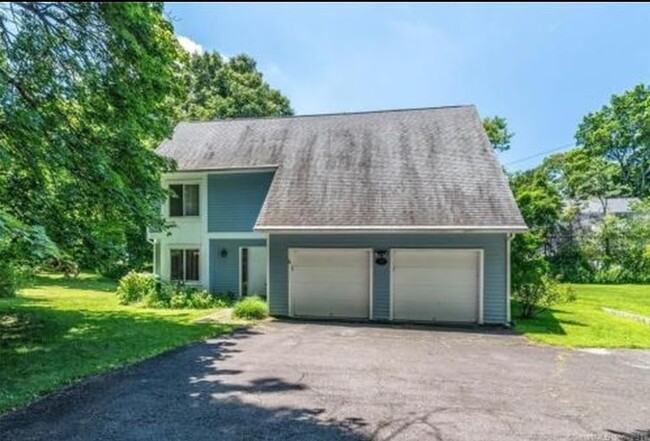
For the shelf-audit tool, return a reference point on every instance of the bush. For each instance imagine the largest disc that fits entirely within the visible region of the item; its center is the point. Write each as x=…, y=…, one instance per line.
x=537, y=297
x=177, y=295
x=180, y=300
x=136, y=287
x=12, y=278
x=251, y=308
x=159, y=297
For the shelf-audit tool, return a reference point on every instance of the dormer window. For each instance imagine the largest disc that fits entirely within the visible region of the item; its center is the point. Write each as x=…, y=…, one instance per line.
x=184, y=200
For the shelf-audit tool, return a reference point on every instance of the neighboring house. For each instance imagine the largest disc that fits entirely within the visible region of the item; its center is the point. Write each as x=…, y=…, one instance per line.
x=388, y=215
x=594, y=210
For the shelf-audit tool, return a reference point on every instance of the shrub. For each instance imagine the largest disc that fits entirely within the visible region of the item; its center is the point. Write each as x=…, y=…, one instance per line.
x=180, y=300
x=202, y=300
x=12, y=278
x=537, y=297
x=136, y=287
x=159, y=297
x=251, y=308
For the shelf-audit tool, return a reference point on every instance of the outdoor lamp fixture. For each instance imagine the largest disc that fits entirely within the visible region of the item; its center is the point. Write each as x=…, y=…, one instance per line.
x=380, y=257
x=224, y=253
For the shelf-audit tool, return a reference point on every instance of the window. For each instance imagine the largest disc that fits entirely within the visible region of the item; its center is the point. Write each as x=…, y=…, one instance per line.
x=184, y=200
x=184, y=264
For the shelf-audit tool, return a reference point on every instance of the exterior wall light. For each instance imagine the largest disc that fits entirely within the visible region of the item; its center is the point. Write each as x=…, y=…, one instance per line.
x=224, y=253
x=380, y=257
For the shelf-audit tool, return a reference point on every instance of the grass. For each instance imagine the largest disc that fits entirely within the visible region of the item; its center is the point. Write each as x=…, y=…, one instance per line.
x=583, y=323
x=62, y=330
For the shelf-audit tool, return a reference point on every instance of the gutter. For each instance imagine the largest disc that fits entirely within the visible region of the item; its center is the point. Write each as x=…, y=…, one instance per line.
x=387, y=229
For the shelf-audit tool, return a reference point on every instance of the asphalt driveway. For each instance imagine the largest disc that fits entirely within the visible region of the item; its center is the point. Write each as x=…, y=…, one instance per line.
x=307, y=381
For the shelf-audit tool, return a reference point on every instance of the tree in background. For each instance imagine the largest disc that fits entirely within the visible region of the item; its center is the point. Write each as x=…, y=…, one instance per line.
x=229, y=88
x=87, y=90
x=620, y=132
x=497, y=132
x=582, y=176
x=612, y=161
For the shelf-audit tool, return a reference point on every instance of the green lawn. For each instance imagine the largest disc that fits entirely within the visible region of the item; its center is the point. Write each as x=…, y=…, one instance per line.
x=584, y=324
x=62, y=330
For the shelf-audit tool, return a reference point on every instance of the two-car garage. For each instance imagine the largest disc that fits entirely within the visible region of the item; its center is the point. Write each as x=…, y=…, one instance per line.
x=428, y=285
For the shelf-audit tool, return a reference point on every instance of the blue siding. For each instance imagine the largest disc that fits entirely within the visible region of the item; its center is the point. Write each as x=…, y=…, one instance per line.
x=224, y=271
x=494, y=275
x=235, y=200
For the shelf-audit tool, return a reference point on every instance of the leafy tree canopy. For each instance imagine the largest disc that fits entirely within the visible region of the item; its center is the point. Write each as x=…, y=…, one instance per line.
x=579, y=175
x=229, y=88
x=620, y=132
x=87, y=90
x=496, y=128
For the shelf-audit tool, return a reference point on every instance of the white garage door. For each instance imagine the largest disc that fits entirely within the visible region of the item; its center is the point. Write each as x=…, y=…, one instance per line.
x=329, y=282
x=436, y=285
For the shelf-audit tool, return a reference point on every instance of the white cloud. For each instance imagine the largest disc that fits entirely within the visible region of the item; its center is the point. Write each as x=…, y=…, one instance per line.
x=190, y=45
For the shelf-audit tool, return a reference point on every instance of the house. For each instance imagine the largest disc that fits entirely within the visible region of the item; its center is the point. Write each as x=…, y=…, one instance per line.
x=387, y=215
x=594, y=210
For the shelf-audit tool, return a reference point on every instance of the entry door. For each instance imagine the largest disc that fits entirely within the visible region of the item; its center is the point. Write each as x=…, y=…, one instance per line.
x=253, y=270
x=331, y=283
x=438, y=285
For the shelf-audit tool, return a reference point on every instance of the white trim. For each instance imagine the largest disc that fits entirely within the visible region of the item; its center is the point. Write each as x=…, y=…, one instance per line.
x=390, y=286
x=508, y=287
x=370, y=287
x=268, y=274
x=205, y=240
x=239, y=273
x=237, y=235
x=289, y=302
x=481, y=278
x=371, y=267
x=227, y=170
x=481, y=253
x=387, y=229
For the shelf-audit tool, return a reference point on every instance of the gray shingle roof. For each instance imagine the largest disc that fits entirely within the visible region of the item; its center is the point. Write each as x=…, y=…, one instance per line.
x=422, y=168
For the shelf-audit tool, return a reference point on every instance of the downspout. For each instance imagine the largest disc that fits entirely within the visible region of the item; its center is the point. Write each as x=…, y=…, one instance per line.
x=509, y=237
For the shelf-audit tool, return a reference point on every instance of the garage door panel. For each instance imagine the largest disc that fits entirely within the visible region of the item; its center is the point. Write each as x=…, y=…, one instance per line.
x=324, y=274
x=325, y=258
x=330, y=283
x=436, y=285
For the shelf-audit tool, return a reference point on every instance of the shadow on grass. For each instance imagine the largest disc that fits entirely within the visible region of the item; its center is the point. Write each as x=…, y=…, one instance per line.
x=42, y=348
x=545, y=322
x=184, y=394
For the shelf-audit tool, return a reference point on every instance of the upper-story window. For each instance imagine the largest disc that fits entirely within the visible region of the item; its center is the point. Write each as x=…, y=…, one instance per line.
x=184, y=200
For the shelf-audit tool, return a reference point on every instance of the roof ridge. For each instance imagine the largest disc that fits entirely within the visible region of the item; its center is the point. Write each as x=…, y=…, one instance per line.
x=315, y=115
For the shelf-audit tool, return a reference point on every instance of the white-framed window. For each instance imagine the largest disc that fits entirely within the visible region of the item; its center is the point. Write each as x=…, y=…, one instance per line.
x=184, y=264
x=184, y=200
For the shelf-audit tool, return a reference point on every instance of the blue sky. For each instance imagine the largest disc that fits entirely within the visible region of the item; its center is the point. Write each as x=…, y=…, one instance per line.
x=542, y=67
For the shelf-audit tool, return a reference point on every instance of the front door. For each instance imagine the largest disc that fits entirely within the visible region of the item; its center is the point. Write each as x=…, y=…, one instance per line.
x=253, y=271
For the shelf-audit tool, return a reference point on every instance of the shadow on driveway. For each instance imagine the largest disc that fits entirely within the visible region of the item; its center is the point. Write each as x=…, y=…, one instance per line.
x=180, y=395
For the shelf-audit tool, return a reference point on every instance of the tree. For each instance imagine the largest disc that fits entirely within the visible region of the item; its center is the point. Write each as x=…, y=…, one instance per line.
x=87, y=90
x=233, y=88
x=620, y=132
x=497, y=132
x=541, y=206
x=581, y=175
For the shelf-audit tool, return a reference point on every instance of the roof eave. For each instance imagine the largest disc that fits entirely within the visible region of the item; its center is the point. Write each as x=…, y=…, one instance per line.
x=387, y=229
